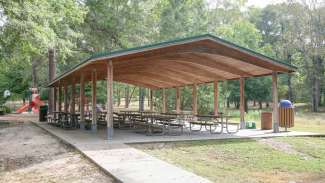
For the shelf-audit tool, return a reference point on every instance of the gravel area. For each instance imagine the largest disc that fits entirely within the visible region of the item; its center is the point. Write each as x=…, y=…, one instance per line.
x=29, y=154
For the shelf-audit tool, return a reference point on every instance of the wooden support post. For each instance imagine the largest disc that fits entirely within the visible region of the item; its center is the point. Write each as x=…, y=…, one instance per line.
x=242, y=103
x=275, y=102
x=73, y=96
x=151, y=100
x=215, y=95
x=178, y=100
x=59, y=99
x=93, y=101
x=54, y=99
x=164, y=101
x=65, y=95
x=82, y=101
x=194, y=100
x=109, y=116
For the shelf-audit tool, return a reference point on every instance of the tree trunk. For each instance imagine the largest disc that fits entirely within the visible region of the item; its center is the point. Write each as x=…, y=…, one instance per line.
x=313, y=96
x=323, y=96
x=260, y=104
x=148, y=96
x=317, y=62
x=320, y=74
x=131, y=95
x=34, y=74
x=118, y=96
x=254, y=103
x=141, y=98
x=228, y=104
x=246, y=105
x=237, y=105
x=290, y=97
x=52, y=71
x=127, y=91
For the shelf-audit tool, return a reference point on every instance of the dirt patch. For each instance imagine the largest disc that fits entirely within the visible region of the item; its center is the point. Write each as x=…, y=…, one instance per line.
x=282, y=146
x=29, y=154
x=19, y=118
x=153, y=146
x=288, y=177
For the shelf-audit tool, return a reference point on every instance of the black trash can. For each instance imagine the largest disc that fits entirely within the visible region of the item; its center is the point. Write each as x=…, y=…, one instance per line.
x=43, y=113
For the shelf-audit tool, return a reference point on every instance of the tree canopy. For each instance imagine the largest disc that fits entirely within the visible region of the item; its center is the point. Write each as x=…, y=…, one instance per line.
x=292, y=31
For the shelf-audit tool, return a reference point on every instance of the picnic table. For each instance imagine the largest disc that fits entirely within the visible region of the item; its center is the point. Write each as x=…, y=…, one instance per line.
x=64, y=120
x=152, y=123
x=169, y=122
x=212, y=122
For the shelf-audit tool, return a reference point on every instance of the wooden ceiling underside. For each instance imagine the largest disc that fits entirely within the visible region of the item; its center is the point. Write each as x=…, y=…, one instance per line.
x=199, y=62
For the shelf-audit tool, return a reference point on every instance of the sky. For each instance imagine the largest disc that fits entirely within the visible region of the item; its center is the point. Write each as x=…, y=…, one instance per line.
x=263, y=3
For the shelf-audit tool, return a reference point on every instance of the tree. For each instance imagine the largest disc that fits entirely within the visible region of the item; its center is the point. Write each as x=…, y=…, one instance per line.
x=32, y=27
x=245, y=34
x=294, y=28
x=180, y=18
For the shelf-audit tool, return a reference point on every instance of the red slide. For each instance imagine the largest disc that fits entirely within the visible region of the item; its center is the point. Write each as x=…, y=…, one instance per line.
x=22, y=108
x=35, y=104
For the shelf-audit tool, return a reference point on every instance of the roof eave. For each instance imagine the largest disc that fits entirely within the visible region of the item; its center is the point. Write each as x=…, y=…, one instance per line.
x=117, y=53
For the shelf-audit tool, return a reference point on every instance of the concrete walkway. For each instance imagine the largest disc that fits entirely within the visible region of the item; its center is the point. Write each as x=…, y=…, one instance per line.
x=128, y=164
x=123, y=162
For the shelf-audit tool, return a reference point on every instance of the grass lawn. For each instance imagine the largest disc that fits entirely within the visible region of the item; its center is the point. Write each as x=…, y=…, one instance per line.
x=296, y=159
x=307, y=121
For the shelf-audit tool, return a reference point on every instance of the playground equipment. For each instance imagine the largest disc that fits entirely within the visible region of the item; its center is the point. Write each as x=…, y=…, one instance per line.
x=34, y=102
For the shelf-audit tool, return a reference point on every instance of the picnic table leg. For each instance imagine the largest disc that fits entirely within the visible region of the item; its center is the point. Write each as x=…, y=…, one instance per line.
x=229, y=132
x=149, y=130
x=216, y=126
x=221, y=126
x=195, y=130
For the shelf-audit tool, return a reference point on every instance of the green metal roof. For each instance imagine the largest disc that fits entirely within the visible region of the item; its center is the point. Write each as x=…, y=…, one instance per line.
x=104, y=54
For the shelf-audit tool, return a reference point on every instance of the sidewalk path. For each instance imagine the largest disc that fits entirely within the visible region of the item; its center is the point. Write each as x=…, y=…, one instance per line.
x=125, y=163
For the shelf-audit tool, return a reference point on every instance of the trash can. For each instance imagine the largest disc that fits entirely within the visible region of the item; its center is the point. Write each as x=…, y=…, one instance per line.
x=43, y=113
x=266, y=120
x=286, y=114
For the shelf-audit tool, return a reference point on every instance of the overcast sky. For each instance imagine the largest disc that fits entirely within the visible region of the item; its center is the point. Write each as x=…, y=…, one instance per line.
x=263, y=3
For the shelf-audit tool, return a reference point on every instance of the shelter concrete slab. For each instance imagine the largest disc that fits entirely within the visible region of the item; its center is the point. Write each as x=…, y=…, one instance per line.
x=133, y=136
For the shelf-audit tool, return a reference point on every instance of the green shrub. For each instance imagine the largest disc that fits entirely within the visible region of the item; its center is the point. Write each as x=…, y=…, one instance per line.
x=44, y=93
x=4, y=110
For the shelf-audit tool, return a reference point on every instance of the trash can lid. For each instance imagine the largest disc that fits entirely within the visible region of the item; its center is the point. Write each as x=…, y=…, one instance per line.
x=286, y=104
